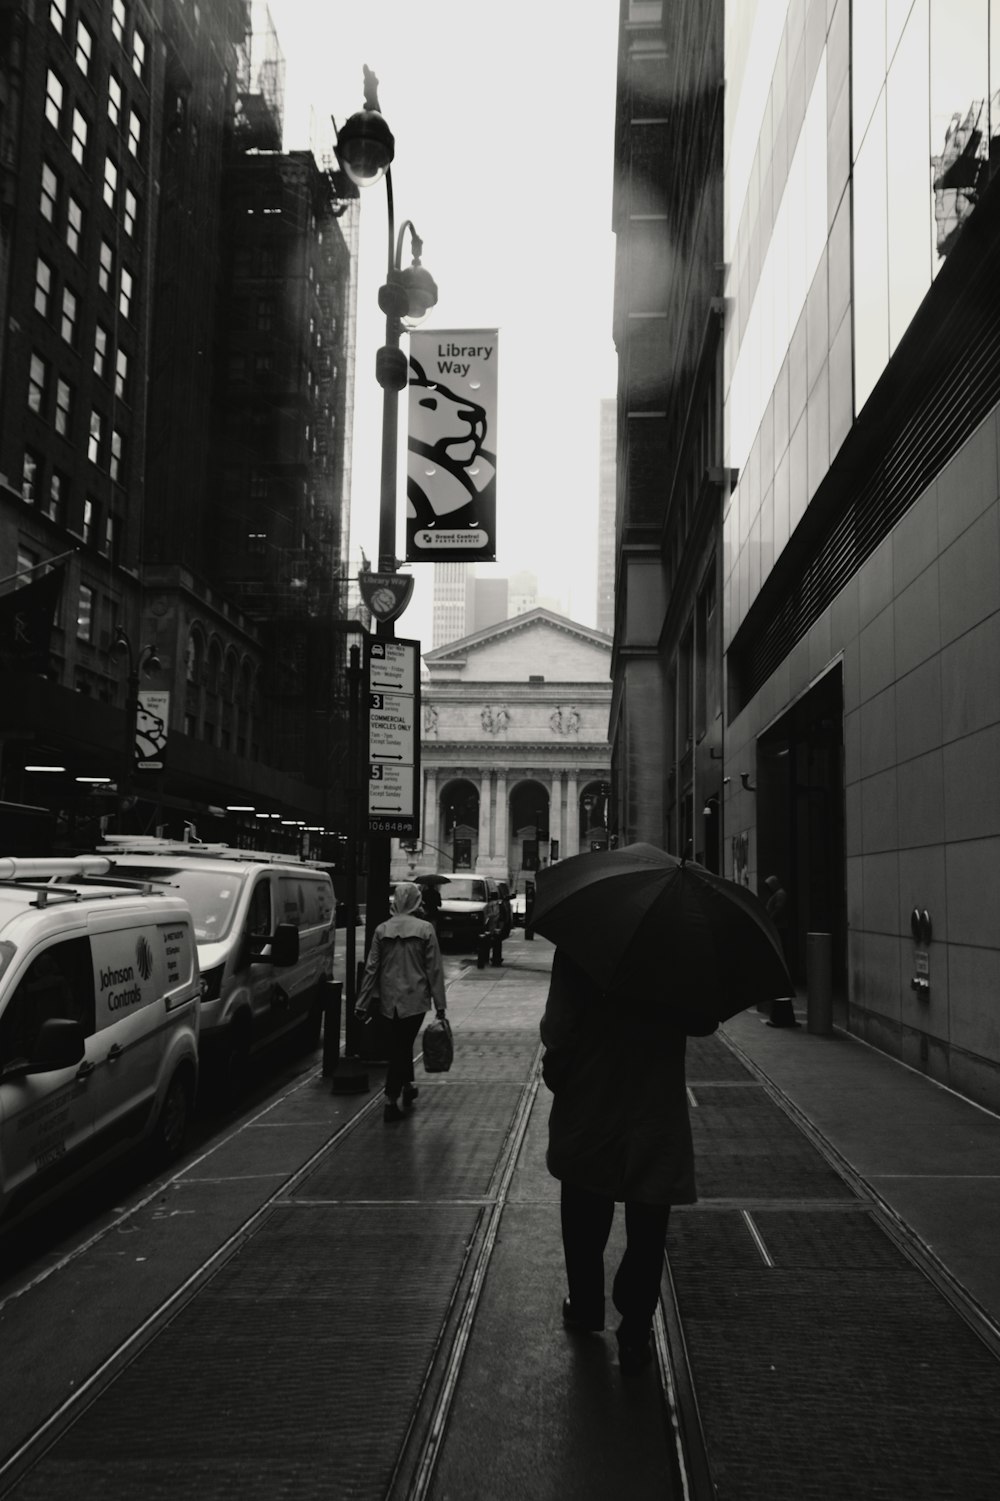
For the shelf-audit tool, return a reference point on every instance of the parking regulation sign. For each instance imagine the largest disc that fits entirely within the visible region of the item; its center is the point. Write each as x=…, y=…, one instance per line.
x=392, y=694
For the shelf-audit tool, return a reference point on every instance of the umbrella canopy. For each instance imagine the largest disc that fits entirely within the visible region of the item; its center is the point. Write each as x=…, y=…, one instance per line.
x=642, y=921
x=430, y=878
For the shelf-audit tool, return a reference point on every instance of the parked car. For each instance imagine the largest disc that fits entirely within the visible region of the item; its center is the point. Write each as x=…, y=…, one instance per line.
x=470, y=914
x=265, y=929
x=100, y=997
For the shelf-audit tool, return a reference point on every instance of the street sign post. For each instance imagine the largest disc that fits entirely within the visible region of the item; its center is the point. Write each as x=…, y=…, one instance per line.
x=392, y=682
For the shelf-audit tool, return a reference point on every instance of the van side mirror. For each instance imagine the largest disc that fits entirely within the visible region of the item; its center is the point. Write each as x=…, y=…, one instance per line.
x=60, y=1043
x=280, y=949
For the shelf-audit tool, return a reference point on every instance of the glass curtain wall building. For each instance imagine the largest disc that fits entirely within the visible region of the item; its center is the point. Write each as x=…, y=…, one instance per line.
x=861, y=534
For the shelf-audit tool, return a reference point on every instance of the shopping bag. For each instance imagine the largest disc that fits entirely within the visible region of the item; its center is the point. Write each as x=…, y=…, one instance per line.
x=439, y=1049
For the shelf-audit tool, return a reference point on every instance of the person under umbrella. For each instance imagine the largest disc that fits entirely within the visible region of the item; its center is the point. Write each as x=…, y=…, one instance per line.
x=403, y=977
x=618, y=1133
x=650, y=949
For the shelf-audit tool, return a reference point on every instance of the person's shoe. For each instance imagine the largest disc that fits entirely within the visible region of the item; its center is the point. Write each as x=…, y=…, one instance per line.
x=579, y=1325
x=633, y=1353
x=392, y=1112
x=410, y=1092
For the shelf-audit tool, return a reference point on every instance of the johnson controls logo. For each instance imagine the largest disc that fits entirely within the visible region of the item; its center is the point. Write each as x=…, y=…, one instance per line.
x=144, y=957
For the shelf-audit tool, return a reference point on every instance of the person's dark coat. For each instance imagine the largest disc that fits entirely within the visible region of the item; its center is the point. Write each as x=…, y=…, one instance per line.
x=619, y=1121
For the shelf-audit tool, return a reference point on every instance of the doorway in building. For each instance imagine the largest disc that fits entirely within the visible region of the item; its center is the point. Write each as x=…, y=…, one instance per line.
x=800, y=821
x=529, y=812
x=459, y=824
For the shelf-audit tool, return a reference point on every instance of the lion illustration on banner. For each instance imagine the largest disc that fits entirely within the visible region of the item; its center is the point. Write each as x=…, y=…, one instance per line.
x=451, y=477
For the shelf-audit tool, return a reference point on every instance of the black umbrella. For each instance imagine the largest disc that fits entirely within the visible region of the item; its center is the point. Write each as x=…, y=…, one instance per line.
x=641, y=921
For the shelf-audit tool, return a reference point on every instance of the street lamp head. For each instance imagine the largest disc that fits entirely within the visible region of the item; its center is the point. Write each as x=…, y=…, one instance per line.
x=421, y=294
x=365, y=147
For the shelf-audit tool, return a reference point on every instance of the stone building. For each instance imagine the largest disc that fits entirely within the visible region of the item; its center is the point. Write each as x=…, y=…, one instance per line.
x=514, y=748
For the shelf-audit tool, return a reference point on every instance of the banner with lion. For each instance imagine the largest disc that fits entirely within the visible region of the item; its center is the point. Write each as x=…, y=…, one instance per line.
x=451, y=460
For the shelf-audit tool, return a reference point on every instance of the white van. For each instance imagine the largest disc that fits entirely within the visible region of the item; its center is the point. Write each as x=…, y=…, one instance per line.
x=99, y=1009
x=265, y=929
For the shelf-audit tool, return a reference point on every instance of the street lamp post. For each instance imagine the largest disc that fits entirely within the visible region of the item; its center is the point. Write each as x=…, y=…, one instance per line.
x=147, y=660
x=365, y=149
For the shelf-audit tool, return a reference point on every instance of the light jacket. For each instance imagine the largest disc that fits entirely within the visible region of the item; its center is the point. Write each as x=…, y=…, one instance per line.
x=404, y=974
x=619, y=1120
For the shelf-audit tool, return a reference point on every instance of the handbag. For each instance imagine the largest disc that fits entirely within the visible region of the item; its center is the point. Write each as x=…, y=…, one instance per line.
x=439, y=1047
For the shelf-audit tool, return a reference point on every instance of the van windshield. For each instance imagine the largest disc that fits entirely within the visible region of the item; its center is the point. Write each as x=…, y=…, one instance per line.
x=211, y=895
x=463, y=889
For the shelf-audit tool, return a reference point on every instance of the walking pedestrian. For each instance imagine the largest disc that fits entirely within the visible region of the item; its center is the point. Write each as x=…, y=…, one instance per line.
x=618, y=1133
x=403, y=978
x=782, y=1011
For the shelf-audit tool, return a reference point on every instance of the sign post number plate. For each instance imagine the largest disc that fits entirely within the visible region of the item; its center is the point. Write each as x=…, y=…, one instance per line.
x=392, y=695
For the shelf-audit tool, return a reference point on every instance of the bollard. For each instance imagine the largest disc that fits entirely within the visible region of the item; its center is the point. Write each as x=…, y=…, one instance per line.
x=332, y=1000
x=819, y=984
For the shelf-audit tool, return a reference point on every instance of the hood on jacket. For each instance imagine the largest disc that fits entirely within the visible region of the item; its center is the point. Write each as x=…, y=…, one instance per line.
x=407, y=898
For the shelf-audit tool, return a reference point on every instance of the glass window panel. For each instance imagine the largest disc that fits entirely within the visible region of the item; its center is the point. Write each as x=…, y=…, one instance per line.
x=110, y=182
x=55, y=502
x=38, y=375
x=31, y=466
x=134, y=133
x=871, y=271
x=78, y=144
x=94, y=439
x=896, y=14
x=107, y=266
x=53, y=99
x=114, y=100
x=118, y=20
x=138, y=54
x=131, y=212
x=67, y=325
x=85, y=613
x=117, y=453
x=74, y=225
x=909, y=203
x=64, y=403
x=125, y=295
x=121, y=374
x=84, y=47
x=43, y=286
x=867, y=63
x=101, y=341
x=50, y=190
x=57, y=15
x=959, y=113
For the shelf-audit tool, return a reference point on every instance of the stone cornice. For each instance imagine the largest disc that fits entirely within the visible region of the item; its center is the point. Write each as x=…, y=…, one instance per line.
x=457, y=651
x=489, y=750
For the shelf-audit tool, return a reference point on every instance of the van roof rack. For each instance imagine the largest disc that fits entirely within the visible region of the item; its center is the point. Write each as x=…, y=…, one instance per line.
x=148, y=844
x=58, y=879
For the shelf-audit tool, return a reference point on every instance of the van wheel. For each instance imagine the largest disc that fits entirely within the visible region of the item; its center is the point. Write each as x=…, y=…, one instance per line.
x=172, y=1121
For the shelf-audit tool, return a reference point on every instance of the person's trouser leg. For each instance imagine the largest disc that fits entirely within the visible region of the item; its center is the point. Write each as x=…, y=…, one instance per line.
x=402, y=1035
x=637, y=1280
x=586, y=1224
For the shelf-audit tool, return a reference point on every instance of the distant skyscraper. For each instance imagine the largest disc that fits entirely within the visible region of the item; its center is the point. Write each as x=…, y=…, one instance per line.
x=452, y=608
x=606, y=499
x=490, y=598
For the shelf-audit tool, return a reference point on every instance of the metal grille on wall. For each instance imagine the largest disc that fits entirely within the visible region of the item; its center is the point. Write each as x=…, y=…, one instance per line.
x=943, y=382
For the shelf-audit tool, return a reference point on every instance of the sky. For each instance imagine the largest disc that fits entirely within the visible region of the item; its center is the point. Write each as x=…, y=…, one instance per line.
x=503, y=115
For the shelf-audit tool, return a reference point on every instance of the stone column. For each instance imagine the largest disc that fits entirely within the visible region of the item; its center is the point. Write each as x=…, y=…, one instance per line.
x=555, y=814
x=501, y=845
x=572, y=814
x=429, y=824
x=484, y=818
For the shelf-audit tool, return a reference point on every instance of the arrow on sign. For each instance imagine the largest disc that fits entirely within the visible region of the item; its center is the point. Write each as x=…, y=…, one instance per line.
x=388, y=758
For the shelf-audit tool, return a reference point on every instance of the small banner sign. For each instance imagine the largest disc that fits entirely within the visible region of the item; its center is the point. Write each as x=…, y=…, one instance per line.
x=392, y=681
x=386, y=594
x=451, y=481
x=152, y=720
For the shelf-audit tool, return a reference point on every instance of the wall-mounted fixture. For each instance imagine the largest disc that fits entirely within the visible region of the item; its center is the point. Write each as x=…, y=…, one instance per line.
x=748, y=786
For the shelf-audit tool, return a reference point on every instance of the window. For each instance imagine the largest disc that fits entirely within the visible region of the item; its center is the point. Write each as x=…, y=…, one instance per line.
x=96, y=439
x=118, y=21
x=121, y=374
x=74, y=225
x=101, y=345
x=57, y=15
x=138, y=54
x=54, y=504
x=114, y=100
x=43, y=286
x=131, y=212
x=78, y=141
x=38, y=385
x=85, y=614
x=53, y=99
x=117, y=454
x=110, y=182
x=59, y=983
x=134, y=133
x=50, y=193
x=31, y=469
x=70, y=307
x=265, y=314
x=84, y=48
x=90, y=514
x=106, y=267
x=112, y=537
x=125, y=294
x=64, y=406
